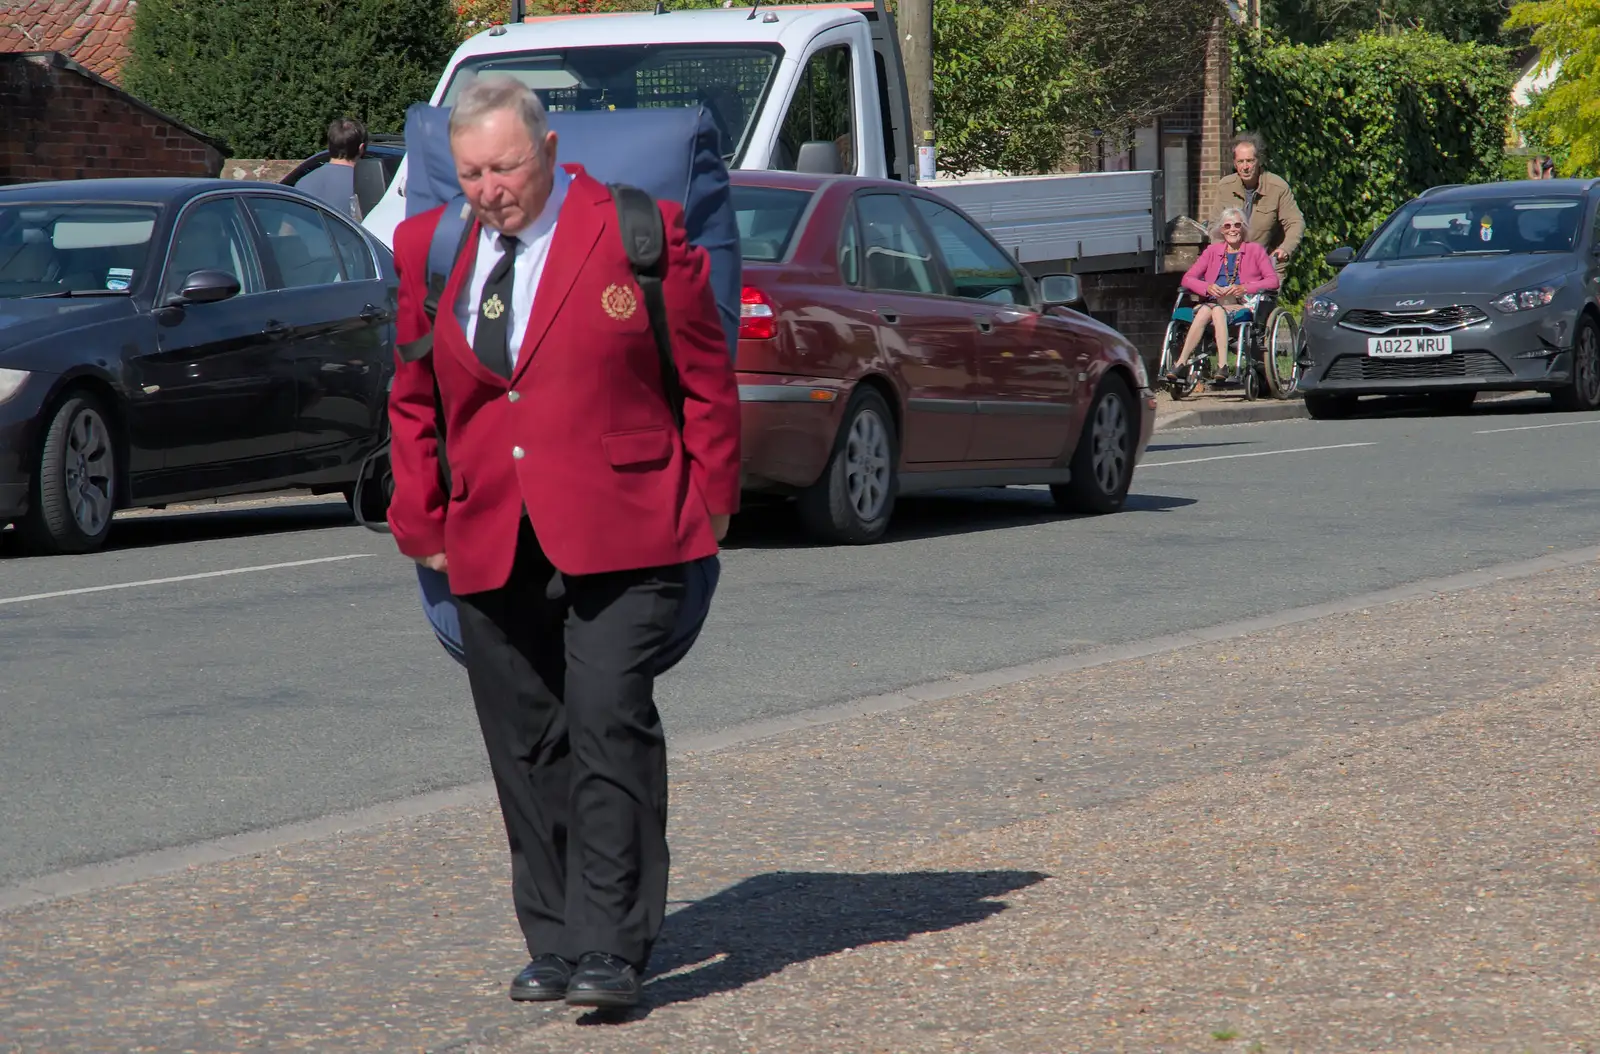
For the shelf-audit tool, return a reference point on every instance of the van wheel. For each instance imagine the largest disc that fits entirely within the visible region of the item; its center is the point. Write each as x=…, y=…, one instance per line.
x=852, y=502
x=1584, y=391
x=74, y=483
x=1102, y=465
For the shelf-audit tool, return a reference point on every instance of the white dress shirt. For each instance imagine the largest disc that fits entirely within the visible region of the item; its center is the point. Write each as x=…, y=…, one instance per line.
x=533, y=248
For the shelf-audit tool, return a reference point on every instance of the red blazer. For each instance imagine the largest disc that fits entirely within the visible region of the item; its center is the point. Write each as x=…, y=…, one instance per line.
x=582, y=435
x=1256, y=272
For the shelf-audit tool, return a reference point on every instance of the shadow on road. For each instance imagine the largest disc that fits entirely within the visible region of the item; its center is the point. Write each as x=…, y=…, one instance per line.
x=238, y=520
x=764, y=924
x=1156, y=448
x=761, y=525
x=947, y=513
x=1418, y=406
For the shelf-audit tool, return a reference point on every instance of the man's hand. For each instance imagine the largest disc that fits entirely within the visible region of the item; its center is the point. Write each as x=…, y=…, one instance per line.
x=719, y=526
x=436, y=562
x=1279, y=255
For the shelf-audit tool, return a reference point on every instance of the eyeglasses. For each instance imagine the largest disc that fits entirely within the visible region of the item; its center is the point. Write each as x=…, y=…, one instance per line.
x=1233, y=226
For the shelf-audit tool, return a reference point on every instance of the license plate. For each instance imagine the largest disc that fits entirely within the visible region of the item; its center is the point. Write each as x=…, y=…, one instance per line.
x=1407, y=347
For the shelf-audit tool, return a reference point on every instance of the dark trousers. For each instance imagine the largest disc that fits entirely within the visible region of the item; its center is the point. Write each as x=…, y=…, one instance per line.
x=561, y=673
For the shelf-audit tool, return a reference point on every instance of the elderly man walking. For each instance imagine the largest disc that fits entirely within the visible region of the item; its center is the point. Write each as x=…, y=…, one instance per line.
x=574, y=503
x=1268, y=205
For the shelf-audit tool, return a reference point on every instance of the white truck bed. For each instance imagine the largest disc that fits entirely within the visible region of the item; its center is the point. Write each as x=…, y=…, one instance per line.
x=1093, y=221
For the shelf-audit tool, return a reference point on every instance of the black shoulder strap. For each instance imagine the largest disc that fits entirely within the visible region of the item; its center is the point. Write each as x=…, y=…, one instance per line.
x=411, y=351
x=416, y=350
x=644, y=237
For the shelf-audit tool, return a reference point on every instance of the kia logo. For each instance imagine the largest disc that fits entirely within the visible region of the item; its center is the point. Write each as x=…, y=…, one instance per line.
x=1409, y=303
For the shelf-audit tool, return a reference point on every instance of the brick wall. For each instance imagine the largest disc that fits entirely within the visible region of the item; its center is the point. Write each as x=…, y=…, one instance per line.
x=1138, y=306
x=1216, y=122
x=59, y=121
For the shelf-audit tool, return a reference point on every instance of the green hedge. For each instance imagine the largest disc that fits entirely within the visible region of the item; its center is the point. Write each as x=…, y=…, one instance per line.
x=268, y=75
x=1360, y=127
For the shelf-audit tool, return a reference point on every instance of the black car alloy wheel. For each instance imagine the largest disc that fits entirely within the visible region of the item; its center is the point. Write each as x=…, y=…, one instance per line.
x=1584, y=391
x=74, y=488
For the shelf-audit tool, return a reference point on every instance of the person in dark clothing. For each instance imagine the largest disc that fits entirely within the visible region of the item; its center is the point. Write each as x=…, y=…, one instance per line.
x=335, y=182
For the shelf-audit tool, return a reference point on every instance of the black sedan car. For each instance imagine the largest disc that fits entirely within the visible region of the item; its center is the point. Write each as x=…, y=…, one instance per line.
x=163, y=340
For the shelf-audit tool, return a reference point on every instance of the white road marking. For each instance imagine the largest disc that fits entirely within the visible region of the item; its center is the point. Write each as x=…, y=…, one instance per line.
x=179, y=578
x=1258, y=453
x=1530, y=428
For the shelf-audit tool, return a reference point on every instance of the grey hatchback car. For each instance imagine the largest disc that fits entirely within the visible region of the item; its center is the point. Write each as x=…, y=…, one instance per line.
x=1489, y=287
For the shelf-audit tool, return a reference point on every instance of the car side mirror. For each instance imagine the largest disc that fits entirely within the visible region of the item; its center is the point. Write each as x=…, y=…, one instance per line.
x=1340, y=256
x=1060, y=290
x=206, y=287
x=820, y=157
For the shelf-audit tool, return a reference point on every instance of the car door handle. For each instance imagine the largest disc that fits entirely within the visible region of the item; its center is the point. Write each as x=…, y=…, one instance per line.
x=374, y=314
x=276, y=330
x=891, y=317
x=984, y=324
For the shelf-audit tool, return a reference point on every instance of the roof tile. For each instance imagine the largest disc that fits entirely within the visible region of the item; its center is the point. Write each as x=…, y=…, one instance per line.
x=93, y=33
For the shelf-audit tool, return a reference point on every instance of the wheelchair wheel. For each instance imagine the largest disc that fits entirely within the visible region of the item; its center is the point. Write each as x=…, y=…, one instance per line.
x=1246, y=359
x=1279, y=352
x=1170, y=350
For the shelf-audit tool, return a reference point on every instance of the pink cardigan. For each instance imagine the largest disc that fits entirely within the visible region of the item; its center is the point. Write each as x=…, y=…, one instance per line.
x=1255, y=269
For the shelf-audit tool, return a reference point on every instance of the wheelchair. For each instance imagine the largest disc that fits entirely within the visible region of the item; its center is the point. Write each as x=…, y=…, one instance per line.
x=1265, y=331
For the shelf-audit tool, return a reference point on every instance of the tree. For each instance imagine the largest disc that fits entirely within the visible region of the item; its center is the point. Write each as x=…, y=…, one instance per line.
x=1006, y=80
x=1322, y=21
x=268, y=75
x=1019, y=85
x=1563, y=120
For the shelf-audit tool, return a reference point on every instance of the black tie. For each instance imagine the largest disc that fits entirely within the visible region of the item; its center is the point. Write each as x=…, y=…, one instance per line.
x=491, y=342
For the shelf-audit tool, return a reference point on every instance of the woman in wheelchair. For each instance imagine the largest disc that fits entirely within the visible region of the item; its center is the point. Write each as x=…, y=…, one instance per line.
x=1229, y=270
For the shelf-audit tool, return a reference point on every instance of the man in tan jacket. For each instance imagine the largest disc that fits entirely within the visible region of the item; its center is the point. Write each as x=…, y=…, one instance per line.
x=1265, y=199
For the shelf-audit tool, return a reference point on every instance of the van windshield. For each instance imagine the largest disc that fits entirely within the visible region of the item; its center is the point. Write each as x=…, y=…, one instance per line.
x=728, y=78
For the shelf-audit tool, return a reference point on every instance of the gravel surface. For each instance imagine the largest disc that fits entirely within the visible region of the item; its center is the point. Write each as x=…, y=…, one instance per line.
x=1375, y=832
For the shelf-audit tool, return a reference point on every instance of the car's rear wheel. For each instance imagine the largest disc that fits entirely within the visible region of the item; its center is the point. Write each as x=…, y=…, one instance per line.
x=1102, y=465
x=1330, y=407
x=74, y=482
x=1584, y=391
x=852, y=502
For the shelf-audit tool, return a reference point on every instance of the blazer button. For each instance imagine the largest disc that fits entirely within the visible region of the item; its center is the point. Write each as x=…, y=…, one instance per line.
x=512, y=397
x=517, y=452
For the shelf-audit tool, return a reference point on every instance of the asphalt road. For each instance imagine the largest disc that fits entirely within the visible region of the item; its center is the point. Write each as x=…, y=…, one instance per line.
x=266, y=663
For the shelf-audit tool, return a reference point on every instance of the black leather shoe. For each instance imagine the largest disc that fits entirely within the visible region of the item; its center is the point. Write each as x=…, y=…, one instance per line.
x=543, y=980
x=604, y=981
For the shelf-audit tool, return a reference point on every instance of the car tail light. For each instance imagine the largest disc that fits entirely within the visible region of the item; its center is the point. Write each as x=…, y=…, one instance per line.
x=757, y=320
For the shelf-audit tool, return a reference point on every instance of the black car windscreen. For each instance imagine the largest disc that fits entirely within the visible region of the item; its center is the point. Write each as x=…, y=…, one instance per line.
x=1491, y=225
x=728, y=79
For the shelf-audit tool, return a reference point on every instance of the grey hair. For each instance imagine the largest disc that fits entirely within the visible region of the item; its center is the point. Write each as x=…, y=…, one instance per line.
x=1228, y=214
x=1250, y=139
x=495, y=92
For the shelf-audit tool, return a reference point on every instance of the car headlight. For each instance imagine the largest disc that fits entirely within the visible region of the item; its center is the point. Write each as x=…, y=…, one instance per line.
x=1322, y=309
x=11, y=382
x=1140, y=374
x=1525, y=299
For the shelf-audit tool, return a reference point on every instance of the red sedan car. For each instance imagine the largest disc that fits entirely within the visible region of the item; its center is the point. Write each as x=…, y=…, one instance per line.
x=889, y=346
